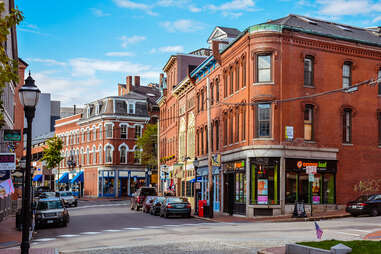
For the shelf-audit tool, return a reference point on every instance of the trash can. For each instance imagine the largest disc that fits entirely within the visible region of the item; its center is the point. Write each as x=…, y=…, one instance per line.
x=201, y=208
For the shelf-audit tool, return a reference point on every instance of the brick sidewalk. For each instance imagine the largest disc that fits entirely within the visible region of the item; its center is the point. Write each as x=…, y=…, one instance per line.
x=283, y=218
x=373, y=236
x=9, y=236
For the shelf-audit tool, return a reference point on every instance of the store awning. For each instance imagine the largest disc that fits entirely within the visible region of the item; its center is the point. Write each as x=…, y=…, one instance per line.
x=78, y=178
x=37, y=178
x=198, y=179
x=64, y=178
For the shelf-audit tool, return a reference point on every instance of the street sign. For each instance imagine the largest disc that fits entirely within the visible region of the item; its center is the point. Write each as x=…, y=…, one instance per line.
x=311, y=178
x=7, y=161
x=311, y=169
x=12, y=135
x=289, y=133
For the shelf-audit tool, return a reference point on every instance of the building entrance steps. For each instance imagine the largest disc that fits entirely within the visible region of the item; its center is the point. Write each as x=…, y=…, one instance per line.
x=283, y=218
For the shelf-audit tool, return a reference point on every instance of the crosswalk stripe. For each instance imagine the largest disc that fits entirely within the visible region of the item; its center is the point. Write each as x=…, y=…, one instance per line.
x=347, y=233
x=365, y=231
x=89, y=233
x=44, y=239
x=132, y=228
x=67, y=236
x=112, y=230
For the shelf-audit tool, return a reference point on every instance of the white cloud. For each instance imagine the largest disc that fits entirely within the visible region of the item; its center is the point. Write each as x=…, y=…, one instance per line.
x=88, y=67
x=152, y=51
x=170, y=3
x=99, y=12
x=376, y=19
x=46, y=61
x=138, y=6
x=71, y=91
x=150, y=75
x=345, y=7
x=131, y=40
x=232, y=14
x=119, y=54
x=193, y=8
x=182, y=25
x=244, y=5
x=172, y=49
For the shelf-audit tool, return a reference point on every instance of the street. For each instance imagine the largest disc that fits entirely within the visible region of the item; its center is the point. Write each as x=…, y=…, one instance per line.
x=111, y=227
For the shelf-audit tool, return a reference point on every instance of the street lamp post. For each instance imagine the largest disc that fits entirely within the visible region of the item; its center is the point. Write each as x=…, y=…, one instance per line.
x=195, y=165
x=29, y=95
x=71, y=164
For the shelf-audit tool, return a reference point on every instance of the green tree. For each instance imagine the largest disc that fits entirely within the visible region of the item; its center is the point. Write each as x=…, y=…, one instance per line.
x=148, y=143
x=8, y=66
x=52, y=153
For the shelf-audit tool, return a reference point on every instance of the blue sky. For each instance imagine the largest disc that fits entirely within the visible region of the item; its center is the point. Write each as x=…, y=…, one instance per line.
x=79, y=50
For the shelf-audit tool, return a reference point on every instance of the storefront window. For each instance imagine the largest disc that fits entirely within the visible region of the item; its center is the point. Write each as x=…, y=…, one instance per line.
x=291, y=187
x=265, y=181
x=108, y=187
x=317, y=187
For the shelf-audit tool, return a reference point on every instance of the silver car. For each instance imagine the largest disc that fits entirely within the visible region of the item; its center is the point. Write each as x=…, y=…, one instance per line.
x=67, y=197
x=50, y=211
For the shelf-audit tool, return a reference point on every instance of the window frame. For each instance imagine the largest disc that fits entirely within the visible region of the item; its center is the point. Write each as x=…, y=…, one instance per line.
x=309, y=109
x=347, y=125
x=123, y=154
x=122, y=132
x=309, y=83
x=237, y=87
x=108, y=131
x=269, y=54
x=350, y=65
x=259, y=121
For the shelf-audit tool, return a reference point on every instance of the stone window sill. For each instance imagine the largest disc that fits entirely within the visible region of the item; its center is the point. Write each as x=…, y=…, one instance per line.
x=264, y=139
x=347, y=144
x=263, y=83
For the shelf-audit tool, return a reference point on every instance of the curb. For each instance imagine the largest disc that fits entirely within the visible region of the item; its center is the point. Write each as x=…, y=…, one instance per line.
x=267, y=219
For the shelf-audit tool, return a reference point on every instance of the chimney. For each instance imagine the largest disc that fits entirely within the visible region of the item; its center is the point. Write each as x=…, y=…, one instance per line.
x=128, y=84
x=216, y=50
x=74, y=110
x=137, y=81
x=161, y=80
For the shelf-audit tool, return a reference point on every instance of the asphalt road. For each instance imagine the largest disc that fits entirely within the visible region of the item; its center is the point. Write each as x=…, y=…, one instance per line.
x=98, y=216
x=114, y=228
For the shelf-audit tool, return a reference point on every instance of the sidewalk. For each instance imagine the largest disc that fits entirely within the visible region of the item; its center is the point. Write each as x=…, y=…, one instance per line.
x=9, y=236
x=283, y=218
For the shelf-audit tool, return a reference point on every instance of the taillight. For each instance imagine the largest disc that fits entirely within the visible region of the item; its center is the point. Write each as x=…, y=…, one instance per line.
x=362, y=204
x=188, y=206
x=169, y=206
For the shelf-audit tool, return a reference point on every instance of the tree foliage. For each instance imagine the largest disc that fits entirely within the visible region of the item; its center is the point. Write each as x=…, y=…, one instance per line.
x=8, y=66
x=52, y=153
x=148, y=143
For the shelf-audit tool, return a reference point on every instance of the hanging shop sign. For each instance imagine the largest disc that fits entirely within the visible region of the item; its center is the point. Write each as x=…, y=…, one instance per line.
x=216, y=160
x=289, y=133
x=12, y=135
x=7, y=161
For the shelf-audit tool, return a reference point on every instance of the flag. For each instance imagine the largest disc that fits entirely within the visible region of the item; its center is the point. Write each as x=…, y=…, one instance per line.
x=319, y=232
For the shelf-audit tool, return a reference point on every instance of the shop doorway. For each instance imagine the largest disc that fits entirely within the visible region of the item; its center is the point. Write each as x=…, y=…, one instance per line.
x=235, y=193
x=123, y=186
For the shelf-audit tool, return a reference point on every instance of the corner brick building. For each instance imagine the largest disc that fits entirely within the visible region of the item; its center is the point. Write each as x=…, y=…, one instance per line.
x=101, y=142
x=278, y=144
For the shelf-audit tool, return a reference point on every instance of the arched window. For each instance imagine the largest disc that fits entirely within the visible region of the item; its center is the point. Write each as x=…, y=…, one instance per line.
x=88, y=156
x=182, y=138
x=82, y=157
x=94, y=133
x=108, y=153
x=191, y=136
x=94, y=155
x=347, y=126
x=100, y=155
x=123, y=154
x=347, y=74
x=308, y=122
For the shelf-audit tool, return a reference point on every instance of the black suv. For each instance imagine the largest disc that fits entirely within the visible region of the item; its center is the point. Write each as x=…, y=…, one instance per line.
x=140, y=195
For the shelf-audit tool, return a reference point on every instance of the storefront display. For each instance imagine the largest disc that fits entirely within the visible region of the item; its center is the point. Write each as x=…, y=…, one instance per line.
x=310, y=181
x=264, y=181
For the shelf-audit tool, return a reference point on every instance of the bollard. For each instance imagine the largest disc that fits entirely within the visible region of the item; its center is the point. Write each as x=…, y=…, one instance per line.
x=340, y=249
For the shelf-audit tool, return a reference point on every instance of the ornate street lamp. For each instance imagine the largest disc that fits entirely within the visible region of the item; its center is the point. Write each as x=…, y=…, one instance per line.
x=195, y=165
x=29, y=95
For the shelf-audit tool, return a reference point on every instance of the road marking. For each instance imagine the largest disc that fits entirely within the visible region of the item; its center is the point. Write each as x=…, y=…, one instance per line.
x=365, y=231
x=92, y=206
x=90, y=233
x=67, y=236
x=170, y=225
x=347, y=233
x=45, y=239
x=112, y=230
x=153, y=227
x=132, y=228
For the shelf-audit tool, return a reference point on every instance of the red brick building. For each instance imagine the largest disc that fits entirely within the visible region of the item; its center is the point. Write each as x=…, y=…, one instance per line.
x=100, y=144
x=284, y=103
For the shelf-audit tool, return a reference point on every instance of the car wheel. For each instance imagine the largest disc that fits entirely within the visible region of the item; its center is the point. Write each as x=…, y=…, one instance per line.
x=374, y=212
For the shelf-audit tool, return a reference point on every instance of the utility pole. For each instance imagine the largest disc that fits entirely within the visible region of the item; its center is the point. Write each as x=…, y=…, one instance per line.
x=158, y=158
x=210, y=175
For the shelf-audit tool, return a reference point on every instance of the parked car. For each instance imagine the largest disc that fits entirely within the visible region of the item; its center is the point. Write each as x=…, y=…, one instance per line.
x=140, y=195
x=47, y=195
x=68, y=198
x=175, y=206
x=51, y=211
x=155, y=207
x=365, y=205
x=148, y=203
x=37, y=191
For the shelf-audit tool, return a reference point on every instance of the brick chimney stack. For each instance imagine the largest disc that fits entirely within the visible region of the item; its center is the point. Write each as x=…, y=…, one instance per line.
x=128, y=84
x=216, y=50
x=161, y=80
x=137, y=81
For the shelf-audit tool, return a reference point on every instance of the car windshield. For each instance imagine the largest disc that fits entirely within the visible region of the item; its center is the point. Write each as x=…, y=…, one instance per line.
x=177, y=200
x=66, y=194
x=148, y=192
x=48, y=205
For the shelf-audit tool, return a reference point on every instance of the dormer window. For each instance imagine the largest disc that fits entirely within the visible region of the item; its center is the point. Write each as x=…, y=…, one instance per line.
x=88, y=112
x=131, y=108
